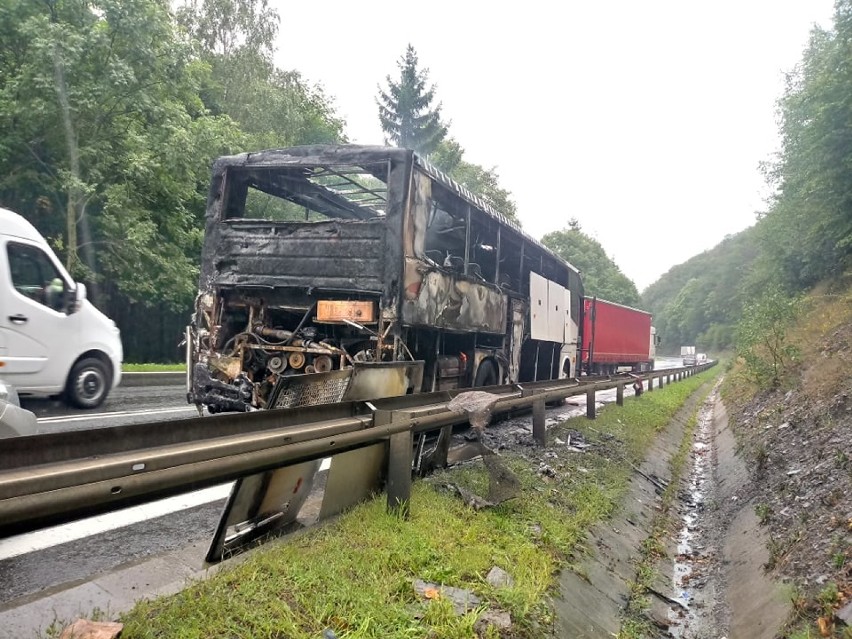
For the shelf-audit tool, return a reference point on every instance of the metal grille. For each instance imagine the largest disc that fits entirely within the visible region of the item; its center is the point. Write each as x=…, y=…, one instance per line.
x=311, y=390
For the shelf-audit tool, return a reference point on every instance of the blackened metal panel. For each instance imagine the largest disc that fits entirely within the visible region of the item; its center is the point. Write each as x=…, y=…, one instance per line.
x=338, y=254
x=398, y=183
x=446, y=300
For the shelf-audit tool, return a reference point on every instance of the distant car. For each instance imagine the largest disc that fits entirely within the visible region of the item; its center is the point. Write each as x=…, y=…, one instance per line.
x=14, y=420
x=701, y=358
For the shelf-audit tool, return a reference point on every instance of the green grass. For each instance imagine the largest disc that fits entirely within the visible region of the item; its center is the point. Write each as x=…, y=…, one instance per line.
x=153, y=368
x=354, y=575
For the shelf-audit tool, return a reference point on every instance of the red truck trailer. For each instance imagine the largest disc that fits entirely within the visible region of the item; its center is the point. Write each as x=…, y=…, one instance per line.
x=616, y=336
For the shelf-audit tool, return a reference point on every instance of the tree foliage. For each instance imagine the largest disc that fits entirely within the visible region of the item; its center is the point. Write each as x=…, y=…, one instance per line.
x=807, y=232
x=273, y=107
x=700, y=301
x=601, y=276
x=103, y=133
x=111, y=112
x=449, y=157
x=405, y=109
x=762, y=336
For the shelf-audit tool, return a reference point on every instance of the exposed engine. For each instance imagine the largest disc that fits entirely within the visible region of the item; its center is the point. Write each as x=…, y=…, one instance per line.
x=242, y=349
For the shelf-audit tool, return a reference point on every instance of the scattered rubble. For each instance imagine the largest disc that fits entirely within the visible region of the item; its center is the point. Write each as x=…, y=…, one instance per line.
x=499, y=578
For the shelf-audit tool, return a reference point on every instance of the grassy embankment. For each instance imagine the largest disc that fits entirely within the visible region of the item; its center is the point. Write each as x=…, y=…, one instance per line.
x=354, y=575
x=153, y=368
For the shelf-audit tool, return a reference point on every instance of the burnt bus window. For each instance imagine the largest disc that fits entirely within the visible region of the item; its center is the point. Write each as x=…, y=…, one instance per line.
x=510, y=264
x=483, y=247
x=445, y=235
x=305, y=193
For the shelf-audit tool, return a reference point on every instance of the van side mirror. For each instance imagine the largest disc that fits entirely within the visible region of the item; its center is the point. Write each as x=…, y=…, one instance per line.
x=76, y=297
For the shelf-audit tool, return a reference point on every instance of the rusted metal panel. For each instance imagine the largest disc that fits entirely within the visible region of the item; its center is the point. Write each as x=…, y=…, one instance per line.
x=383, y=379
x=340, y=310
x=352, y=477
x=259, y=504
x=447, y=300
x=365, y=380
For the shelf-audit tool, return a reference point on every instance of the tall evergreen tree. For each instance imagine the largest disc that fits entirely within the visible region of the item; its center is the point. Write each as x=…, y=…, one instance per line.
x=405, y=108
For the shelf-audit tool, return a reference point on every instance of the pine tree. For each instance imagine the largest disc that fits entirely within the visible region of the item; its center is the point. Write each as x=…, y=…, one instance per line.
x=404, y=110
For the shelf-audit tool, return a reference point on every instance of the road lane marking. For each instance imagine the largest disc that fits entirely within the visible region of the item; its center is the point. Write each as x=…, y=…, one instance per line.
x=55, y=535
x=119, y=413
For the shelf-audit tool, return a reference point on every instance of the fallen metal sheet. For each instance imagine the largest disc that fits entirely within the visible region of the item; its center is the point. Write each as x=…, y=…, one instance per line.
x=271, y=500
x=353, y=477
x=259, y=504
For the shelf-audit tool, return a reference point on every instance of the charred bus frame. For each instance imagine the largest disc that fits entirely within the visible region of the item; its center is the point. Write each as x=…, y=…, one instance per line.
x=347, y=272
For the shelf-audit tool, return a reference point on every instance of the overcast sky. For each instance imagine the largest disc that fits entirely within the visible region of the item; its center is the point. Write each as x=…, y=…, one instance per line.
x=646, y=121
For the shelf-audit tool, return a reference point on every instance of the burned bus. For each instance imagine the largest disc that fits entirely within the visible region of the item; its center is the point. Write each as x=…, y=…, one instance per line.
x=348, y=272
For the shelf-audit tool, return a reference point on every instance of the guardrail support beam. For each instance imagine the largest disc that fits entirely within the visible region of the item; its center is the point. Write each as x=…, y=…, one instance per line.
x=619, y=394
x=650, y=383
x=399, y=473
x=538, y=429
x=590, y=403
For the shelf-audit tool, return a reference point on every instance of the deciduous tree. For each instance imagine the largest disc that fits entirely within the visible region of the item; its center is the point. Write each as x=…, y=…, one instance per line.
x=449, y=157
x=601, y=276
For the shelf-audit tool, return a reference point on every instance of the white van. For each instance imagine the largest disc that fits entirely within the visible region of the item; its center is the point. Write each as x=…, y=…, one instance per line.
x=52, y=340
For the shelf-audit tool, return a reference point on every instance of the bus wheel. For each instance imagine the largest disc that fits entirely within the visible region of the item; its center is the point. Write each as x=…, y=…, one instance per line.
x=486, y=375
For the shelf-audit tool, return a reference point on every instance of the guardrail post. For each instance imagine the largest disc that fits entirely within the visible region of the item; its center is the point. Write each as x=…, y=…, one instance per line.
x=650, y=383
x=590, y=403
x=400, y=453
x=619, y=394
x=539, y=432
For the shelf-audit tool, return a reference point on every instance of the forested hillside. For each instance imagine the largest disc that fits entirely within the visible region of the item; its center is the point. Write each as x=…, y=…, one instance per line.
x=805, y=236
x=700, y=301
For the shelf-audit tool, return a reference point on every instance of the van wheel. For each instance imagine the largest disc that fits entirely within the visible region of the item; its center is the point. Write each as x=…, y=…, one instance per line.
x=88, y=383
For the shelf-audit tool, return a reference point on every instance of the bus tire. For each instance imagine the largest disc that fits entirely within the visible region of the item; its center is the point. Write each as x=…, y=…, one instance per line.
x=486, y=375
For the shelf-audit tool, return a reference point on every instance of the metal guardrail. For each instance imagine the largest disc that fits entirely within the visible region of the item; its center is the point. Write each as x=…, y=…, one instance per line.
x=53, y=478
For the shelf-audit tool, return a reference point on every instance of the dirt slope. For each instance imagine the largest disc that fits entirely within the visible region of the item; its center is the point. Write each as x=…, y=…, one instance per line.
x=797, y=439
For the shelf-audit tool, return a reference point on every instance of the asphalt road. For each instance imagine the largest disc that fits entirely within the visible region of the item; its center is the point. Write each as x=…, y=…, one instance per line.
x=124, y=405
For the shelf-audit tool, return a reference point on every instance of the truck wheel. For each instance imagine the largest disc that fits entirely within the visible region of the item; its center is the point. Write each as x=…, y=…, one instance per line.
x=88, y=383
x=486, y=375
